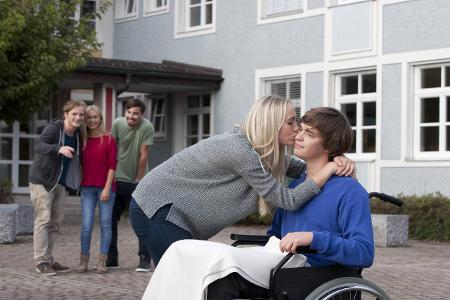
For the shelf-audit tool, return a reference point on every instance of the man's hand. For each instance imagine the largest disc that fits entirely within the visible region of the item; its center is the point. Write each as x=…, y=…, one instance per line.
x=294, y=239
x=66, y=151
x=345, y=166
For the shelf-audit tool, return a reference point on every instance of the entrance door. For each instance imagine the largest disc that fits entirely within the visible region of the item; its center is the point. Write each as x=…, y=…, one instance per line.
x=198, y=118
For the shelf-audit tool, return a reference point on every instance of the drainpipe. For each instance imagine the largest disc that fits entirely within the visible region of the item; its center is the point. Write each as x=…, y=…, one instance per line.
x=125, y=88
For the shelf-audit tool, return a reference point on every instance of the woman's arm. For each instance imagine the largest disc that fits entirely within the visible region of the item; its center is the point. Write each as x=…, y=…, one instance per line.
x=111, y=152
x=106, y=190
x=265, y=185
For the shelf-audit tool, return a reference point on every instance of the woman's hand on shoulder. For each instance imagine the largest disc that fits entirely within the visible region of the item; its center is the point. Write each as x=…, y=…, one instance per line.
x=345, y=166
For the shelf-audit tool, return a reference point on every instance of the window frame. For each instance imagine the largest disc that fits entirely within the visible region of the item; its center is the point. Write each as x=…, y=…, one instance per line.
x=124, y=16
x=345, y=2
x=150, y=8
x=199, y=111
x=304, y=12
x=182, y=19
x=359, y=99
x=287, y=79
x=152, y=115
x=16, y=135
x=419, y=93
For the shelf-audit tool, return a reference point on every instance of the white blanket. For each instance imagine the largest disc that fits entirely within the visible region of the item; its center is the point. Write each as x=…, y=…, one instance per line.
x=189, y=266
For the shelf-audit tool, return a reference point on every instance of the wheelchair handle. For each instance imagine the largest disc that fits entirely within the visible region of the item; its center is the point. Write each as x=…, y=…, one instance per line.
x=387, y=198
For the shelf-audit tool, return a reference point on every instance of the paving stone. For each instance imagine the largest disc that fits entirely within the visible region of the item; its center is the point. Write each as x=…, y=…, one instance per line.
x=419, y=271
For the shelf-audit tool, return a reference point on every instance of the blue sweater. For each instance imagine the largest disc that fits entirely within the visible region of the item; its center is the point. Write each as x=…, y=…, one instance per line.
x=339, y=218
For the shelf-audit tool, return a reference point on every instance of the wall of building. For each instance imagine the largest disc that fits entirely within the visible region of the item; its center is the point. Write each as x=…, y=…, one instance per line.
x=416, y=25
x=238, y=47
x=403, y=34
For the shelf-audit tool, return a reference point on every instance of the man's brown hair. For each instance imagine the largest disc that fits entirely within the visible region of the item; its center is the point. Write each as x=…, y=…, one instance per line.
x=334, y=128
x=135, y=102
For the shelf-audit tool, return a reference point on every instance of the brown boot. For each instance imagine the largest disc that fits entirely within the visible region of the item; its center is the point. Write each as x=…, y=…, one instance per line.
x=84, y=260
x=101, y=263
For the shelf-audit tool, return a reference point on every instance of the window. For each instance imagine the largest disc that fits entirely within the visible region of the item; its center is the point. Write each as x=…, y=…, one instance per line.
x=86, y=8
x=199, y=14
x=89, y=8
x=274, y=8
x=125, y=9
x=17, y=149
x=343, y=2
x=194, y=17
x=158, y=115
x=198, y=118
x=432, y=111
x=286, y=87
x=154, y=7
x=356, y=98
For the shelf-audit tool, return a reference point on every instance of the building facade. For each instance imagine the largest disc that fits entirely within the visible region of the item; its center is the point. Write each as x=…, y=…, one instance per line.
x=384, y=63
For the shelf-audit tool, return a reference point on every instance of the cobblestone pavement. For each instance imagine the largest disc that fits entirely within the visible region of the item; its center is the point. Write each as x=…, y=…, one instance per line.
x=420, y=271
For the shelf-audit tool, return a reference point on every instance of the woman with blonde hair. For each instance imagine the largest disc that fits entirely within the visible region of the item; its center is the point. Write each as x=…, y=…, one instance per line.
x=99, y=164
x=216, y=182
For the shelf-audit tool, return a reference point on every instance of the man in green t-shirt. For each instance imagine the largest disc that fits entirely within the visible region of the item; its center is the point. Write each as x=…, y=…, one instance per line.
x=134, y=135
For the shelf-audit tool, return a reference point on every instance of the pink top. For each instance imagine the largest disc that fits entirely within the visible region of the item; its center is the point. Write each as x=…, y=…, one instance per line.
x=99, y=156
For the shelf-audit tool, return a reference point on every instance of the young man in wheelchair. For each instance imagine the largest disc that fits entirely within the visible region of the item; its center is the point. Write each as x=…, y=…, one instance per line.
x=336, y=223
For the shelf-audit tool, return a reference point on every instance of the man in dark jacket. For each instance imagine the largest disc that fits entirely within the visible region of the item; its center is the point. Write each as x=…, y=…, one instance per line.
x=56, y=166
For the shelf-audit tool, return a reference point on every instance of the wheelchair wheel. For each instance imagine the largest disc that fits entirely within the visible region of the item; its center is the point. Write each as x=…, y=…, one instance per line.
x=348, y=288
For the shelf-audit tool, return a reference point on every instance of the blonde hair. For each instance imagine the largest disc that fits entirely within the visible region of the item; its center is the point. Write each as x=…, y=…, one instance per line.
x=95, y=108
x=262, y=125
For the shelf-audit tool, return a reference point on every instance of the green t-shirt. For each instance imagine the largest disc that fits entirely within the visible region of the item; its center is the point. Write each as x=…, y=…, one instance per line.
x=129, y=141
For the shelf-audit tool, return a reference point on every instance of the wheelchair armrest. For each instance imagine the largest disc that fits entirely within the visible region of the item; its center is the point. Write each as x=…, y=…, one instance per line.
x=246, y=239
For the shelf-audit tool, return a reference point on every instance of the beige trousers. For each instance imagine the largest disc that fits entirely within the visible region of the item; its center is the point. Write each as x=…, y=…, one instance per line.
x=48, y=216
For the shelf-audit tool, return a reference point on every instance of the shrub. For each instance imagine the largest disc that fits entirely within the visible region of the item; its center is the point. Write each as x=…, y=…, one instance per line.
x=5, y=192
x=429, y=215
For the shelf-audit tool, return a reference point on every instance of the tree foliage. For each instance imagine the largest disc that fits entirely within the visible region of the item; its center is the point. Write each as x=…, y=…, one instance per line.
x=40, y=44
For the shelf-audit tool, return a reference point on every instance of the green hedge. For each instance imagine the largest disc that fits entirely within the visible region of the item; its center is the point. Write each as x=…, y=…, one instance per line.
x=429, y=215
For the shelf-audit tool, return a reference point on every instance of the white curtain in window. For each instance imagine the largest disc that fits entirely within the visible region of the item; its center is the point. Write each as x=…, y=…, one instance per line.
x=282, y=6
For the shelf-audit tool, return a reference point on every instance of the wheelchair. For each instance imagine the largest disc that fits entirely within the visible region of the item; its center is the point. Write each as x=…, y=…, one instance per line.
x=317, y=283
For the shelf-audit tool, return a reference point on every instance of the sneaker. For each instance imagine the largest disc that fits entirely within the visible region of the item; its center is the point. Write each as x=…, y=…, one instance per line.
x=112, y=261
x=45, y=269
x=60, y=268
x=144, y=264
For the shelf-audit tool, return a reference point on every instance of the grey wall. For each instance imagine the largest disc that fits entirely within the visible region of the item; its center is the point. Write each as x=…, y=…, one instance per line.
x=238, y=47
x=316, y=4
x=416, y=25
x=314, y=90
x=415, y=180
x=390, y=112
x=351, y=27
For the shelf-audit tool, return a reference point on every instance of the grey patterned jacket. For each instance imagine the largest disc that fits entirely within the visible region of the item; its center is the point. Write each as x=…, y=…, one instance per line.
x=215, y=183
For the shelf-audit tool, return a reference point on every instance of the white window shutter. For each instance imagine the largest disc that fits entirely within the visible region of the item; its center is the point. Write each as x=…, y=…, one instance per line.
x=278, y=89
x=294, y=90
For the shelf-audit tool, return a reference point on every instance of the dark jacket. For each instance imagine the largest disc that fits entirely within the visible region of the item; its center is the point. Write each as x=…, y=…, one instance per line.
x=48, y=163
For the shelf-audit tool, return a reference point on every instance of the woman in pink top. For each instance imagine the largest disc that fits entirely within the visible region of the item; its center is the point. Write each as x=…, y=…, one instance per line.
x=97, y=186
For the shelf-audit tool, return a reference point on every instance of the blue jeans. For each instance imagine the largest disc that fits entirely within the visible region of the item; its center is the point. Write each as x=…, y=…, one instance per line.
x=156, y=233
x=90, y=196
